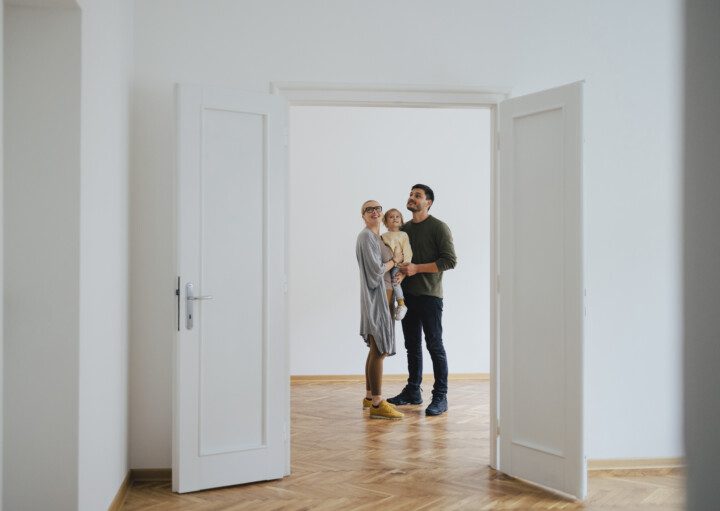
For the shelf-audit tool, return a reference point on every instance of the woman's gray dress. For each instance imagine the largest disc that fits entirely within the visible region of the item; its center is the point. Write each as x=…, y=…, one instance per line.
x=375, y=318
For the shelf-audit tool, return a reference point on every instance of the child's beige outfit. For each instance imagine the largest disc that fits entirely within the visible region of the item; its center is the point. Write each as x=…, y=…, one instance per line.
x=394, y=240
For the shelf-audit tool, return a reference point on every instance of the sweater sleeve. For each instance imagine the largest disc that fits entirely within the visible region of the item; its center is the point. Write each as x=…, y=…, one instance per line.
x=406, y=249
x=447, y=259
x=369, y=260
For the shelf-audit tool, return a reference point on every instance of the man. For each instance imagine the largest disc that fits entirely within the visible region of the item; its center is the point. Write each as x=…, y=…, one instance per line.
x=433, y=253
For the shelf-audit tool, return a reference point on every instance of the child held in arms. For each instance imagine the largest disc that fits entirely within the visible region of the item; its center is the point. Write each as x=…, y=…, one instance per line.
x=399, y=243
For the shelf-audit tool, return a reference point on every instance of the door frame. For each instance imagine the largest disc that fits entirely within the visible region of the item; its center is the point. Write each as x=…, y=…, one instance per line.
x=423, y=96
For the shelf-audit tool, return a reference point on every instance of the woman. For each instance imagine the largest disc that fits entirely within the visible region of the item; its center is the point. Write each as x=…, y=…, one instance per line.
x=376, y=326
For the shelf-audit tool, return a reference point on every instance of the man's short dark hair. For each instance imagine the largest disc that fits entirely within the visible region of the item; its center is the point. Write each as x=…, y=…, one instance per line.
x=428, y=191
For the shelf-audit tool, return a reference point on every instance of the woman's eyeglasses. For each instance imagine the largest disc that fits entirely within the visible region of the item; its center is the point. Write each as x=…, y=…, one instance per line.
x=370, y=209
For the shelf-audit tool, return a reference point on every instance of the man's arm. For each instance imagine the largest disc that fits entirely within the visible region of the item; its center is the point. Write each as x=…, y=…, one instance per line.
x=411, y=269
x=446, y=261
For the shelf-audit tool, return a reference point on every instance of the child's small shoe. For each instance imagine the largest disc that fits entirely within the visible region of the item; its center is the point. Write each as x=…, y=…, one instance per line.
x=400, y=312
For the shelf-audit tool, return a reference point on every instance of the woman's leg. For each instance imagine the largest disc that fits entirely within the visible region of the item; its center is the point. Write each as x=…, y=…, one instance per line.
x=375, y=371
x=380, y=409
x=368, y=391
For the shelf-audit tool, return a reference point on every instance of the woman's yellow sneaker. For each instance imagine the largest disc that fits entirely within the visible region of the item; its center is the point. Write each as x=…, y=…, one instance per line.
x=385, y=411
x=367, y=403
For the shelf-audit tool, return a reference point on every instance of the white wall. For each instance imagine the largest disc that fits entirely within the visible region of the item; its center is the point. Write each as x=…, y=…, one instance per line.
x=628, y=53
x=41, y=199
x=66, y=200
x=104, y=275
x=702, y=254
x=339, y=158
x=2, y=235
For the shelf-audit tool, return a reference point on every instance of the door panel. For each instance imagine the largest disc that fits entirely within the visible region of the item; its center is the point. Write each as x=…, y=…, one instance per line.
x=540, y=349
x=231, y=406
x=231, y=333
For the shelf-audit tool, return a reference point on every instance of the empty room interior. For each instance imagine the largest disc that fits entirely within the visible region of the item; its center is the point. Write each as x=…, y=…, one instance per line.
x=339, y=158
x=182, y=186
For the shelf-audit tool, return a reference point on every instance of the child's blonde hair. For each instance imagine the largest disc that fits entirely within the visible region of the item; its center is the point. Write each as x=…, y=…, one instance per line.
x=402, y=220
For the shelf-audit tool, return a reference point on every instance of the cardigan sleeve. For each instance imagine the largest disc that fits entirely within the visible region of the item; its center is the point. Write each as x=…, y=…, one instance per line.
x=368, y=255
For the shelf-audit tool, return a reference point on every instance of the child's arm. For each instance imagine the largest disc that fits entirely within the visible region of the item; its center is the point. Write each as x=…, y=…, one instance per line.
x=407, y=251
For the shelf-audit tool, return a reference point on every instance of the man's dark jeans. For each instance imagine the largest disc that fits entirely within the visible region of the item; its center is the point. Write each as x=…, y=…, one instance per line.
x=425, y=315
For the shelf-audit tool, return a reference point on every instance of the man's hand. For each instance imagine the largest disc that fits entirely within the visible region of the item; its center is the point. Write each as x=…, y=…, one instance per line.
x=409, y=269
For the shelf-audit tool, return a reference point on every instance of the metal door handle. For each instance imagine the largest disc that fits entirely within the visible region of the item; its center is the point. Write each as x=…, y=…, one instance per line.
x=189, y=305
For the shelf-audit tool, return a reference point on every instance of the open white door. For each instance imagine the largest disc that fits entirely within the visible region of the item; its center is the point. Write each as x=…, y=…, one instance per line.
x=231, y=408
x=540, y=268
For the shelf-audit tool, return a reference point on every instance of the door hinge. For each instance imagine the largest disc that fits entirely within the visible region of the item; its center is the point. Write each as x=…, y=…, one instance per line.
x=497, y=433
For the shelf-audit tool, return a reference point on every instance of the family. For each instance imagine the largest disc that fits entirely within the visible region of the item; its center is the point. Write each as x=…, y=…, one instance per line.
x=401, y=279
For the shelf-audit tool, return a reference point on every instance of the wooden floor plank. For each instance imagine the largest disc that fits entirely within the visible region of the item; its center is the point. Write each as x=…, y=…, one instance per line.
x=342, y=460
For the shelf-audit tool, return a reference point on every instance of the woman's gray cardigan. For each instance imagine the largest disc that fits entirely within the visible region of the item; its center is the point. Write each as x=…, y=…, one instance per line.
x=375, y=317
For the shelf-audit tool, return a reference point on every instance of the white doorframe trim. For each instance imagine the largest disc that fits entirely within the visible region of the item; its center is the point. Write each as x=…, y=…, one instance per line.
x=334, y=94
x=424, y=96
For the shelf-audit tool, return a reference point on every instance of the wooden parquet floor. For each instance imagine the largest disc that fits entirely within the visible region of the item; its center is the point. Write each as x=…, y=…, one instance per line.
x=342, y=460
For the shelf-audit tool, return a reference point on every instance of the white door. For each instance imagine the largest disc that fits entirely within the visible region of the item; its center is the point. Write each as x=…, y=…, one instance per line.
x=231, y=407
x=540, y=268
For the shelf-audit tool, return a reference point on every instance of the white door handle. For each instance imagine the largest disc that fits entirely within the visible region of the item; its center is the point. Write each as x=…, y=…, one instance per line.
x=189, y=304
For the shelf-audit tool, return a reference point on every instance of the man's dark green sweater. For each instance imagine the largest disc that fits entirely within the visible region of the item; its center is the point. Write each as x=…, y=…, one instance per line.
x=431, y=242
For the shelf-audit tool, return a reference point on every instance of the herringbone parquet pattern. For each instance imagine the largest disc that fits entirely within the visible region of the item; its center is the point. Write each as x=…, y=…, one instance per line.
x=341, y=460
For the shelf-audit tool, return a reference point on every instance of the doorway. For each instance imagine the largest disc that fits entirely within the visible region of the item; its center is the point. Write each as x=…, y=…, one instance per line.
x=342, y=156
x=539, y=152
x=347, y=145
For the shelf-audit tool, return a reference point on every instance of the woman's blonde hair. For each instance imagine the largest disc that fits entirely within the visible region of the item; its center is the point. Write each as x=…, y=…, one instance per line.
x=402, y=220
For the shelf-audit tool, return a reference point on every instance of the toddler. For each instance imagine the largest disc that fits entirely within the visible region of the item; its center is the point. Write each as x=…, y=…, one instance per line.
x=399, y=243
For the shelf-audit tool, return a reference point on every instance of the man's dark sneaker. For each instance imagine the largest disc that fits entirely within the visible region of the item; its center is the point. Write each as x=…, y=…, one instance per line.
x=408, y=396
x=437, y=406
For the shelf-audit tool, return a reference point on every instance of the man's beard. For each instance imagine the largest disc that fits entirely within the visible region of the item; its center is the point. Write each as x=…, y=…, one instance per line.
x=412, y=207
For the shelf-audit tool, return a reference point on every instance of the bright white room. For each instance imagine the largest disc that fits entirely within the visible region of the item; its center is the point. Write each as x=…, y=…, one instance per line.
x=339, y=158
x=91, y=161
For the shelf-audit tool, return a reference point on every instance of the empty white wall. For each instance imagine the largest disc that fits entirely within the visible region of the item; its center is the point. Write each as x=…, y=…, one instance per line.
x=2, y=235
x=103, y=383
x=339, y=158
x=702, y=254
x=66, y=223
x=628, y=53
x=42, y=256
